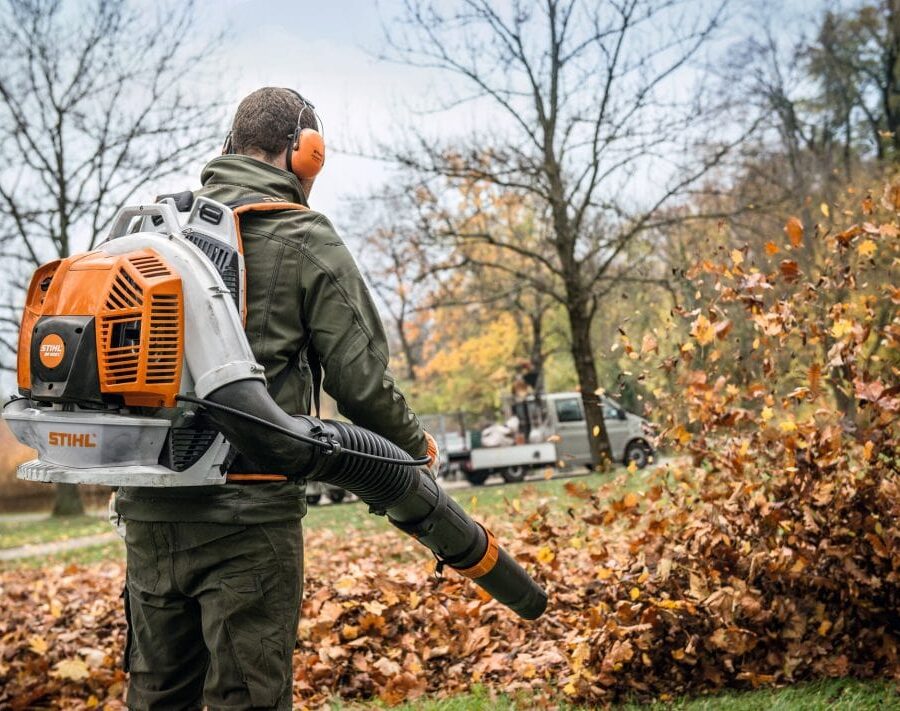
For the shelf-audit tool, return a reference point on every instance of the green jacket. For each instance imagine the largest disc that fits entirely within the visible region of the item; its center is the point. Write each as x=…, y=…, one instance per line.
x=303, y=287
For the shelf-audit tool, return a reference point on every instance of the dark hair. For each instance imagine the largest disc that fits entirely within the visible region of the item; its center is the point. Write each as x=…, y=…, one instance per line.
x=265, y=121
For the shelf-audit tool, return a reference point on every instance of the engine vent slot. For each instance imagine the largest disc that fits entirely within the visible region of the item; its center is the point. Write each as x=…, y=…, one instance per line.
x=164, y=352
x=187, y=444
x=150, y=266
x=224, y=259
x=125, y=293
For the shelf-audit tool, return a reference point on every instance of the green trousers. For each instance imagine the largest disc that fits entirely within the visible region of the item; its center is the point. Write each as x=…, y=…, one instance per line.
x=212, y=614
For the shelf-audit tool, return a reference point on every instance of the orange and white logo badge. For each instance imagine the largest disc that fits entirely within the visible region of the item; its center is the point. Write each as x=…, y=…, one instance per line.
x=52, y=350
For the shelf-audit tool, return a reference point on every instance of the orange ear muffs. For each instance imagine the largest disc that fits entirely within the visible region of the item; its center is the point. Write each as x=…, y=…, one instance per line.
x=307, y=154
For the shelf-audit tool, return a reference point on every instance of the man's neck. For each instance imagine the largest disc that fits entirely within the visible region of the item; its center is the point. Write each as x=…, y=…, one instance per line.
x=280, y=162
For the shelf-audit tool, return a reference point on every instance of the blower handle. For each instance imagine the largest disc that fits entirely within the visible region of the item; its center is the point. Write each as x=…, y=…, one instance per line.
x=122, y=221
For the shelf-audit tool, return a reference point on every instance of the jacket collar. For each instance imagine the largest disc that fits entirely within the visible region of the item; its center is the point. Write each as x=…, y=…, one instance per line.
x=249, y=173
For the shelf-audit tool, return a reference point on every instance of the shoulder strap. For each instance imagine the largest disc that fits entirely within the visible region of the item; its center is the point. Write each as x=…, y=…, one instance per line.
x=315, y=367
x=249, y=204
x=267, y=203
x=255, y=203
x=258, y=203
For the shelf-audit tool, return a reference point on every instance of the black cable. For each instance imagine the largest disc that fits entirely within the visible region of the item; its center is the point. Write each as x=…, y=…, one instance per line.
x=322, y=444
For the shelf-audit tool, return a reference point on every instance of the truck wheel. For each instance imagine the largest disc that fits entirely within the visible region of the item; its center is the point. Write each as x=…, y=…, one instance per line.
x=337, y=495
x=637, y=452
x=313, y=499
x=478, y=477
x=513, y=475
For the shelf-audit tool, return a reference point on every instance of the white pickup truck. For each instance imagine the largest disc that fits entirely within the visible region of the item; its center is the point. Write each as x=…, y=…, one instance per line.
x=558, y=436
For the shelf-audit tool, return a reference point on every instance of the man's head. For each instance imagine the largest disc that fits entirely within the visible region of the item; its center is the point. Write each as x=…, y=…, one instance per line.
x=264, y=123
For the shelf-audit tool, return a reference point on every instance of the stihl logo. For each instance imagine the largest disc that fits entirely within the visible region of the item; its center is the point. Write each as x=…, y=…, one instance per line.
x=69, y=439
x=52, y=350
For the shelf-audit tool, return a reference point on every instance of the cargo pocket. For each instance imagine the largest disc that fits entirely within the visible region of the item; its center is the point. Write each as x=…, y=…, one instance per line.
x=256, y=633
x=132, y=658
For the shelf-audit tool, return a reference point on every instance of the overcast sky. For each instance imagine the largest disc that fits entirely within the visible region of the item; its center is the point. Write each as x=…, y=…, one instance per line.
x=329, y=55
x=328, y=52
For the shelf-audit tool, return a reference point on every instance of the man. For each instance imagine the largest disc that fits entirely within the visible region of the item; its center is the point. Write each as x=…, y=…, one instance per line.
x=214, y=574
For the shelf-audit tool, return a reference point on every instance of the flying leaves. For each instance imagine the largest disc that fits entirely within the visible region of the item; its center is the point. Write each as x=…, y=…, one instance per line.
x=793, y=228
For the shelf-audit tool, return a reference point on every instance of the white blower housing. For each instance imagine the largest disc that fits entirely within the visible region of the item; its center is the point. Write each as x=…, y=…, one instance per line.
x=103, y=352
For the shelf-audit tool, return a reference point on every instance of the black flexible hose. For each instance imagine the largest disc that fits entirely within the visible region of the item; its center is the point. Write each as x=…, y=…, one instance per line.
x=327, y=445
x=388, y=479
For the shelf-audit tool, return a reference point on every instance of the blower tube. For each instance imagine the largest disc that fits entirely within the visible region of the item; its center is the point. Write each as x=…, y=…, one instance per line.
x=328, y=451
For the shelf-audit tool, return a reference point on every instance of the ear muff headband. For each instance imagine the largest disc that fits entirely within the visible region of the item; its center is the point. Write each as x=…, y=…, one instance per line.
x=228, y=146
x=306, y=151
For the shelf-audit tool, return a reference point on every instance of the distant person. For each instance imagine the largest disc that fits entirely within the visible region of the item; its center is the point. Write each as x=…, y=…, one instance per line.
x=521, y=391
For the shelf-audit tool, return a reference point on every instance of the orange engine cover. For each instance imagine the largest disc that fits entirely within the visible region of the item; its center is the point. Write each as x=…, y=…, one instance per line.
x=137, y=290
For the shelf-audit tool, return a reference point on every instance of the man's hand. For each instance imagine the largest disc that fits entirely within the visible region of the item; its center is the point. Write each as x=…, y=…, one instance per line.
x=433, y=453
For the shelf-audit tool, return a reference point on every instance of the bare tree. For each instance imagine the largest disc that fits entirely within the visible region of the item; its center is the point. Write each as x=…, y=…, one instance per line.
x=94, y=108
x=395, y=265
x=409, y=273
x=598, y=125
x=856, y=59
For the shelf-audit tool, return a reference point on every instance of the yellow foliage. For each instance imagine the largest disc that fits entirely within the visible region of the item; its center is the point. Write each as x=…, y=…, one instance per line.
x=468, y=372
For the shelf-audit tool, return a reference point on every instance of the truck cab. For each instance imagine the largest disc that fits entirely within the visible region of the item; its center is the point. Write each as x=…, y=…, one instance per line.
x=629, y=435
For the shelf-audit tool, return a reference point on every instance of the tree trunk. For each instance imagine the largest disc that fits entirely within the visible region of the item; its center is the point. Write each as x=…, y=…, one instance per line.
x=68, y=501
x=891, y=79
x=407, y=348
x=537, y=351
x=583, y=355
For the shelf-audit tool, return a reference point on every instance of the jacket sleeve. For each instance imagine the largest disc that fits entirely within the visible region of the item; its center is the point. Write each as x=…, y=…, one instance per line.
x=350, y=340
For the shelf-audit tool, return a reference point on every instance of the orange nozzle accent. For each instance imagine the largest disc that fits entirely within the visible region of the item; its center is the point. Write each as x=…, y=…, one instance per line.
x=488, y=560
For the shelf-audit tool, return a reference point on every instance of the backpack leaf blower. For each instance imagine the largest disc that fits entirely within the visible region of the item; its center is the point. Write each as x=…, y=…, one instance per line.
x=134, y=370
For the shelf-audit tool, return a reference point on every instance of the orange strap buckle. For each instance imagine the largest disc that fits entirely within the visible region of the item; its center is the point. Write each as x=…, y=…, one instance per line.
x=488, y=560
x=255, y=477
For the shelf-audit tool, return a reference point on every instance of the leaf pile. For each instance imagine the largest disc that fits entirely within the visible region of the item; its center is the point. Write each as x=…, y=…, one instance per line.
x=766, y=552
x=61, y=638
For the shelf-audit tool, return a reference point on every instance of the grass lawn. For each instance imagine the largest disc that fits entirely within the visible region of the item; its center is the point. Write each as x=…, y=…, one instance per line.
x=112, y=550
x=15, y=533
x=833, y=695
x=478, y=501
x=488, y=500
